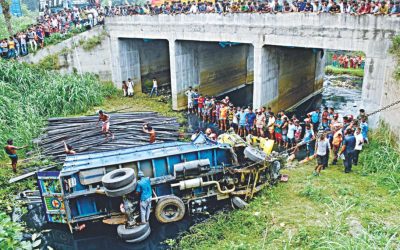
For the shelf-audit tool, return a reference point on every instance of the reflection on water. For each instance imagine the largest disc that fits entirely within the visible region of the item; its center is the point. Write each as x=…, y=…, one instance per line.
x=345, y=98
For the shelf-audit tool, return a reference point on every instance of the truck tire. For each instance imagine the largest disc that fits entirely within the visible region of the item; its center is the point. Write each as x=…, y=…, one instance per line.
x=118, y=178
x=132, y=233
x=121, y=191
x=142, y=238
x=170, y=209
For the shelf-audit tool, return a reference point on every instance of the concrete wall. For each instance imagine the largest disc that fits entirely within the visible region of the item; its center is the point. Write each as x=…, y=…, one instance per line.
x=288, y=75
x=210, y=68
x=391, y=93
x=73, y=57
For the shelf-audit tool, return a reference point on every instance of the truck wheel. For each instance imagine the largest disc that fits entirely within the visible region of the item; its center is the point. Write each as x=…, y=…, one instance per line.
x=133, y=233
x=237, y=202
x=142, y=238
x=118, y=178
x=121, y=191
x=170, y=209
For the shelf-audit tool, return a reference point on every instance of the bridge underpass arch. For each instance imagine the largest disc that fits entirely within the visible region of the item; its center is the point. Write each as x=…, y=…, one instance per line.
x=214, y=68
x=142, y=60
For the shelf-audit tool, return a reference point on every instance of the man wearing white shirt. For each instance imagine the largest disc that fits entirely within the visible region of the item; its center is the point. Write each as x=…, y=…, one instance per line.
x=322, y=148
x=130, y=87
x=155, y=87
x=189, y=94
x=359, y=144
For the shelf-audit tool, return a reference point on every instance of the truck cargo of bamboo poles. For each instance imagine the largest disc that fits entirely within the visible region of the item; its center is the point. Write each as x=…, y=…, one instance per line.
x=83, y=135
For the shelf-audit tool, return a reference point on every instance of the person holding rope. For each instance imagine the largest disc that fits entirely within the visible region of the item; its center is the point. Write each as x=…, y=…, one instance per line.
x=11, y=151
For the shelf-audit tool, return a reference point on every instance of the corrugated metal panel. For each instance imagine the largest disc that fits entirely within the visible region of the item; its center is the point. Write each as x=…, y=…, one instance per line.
x=140, y=153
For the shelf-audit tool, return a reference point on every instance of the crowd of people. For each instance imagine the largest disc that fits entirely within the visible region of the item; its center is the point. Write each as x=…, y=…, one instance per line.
x=346, y=61
x=355, y=7
x=21, y=43
x=62, y=22
x=320, y=132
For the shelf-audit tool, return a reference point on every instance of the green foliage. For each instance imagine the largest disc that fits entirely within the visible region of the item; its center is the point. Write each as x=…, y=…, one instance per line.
x=10, y=233
x=29, y=95
x=382, y=154
x=50, y=62
x=343, y=71
x=58, y=37
x=93, y=41
x=395, y=50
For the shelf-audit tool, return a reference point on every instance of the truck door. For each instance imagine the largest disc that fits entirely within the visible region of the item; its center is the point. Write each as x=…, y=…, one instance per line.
x=52, y=196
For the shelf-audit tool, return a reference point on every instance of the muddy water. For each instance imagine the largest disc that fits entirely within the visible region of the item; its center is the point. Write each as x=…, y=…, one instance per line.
x=341, y=92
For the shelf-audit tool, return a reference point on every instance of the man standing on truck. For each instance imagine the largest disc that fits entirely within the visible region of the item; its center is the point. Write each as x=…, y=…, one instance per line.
x=149, y=130
x=105, y=119
x=11, y=151
x=144, y=188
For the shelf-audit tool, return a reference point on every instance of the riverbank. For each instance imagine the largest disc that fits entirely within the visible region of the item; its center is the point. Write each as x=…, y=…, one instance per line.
x=335, y=210
x=331, y=70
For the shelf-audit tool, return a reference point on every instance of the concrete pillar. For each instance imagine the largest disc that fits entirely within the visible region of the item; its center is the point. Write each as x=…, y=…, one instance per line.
x=184, y=71
x=125, y=62
x=319, y=69
x=375, y=73
x=266, y=75
x=115, y=59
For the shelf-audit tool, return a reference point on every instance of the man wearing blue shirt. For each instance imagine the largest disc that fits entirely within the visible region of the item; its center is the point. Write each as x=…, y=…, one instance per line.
x=144, y=188
x=314, y=116
x=349, y=144
x=250, y=117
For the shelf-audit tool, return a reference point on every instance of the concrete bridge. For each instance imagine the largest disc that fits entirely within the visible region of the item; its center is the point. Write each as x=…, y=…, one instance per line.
x=281, y=54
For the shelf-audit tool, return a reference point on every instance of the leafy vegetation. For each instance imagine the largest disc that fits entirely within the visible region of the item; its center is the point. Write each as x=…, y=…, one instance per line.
x=341, y=71
x=58, y=37
x=29, y=95
x=332, y=211
x=93, y=41
x=395, y=50
x=10, y=233
x=50, y=62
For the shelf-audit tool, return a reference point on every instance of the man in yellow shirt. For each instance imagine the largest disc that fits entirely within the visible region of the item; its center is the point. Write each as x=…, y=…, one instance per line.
x=11, y=48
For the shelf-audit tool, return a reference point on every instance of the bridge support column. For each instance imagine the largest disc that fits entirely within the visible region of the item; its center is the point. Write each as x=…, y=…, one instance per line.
x=184, y=71
x=266, y=75
x=376, y=72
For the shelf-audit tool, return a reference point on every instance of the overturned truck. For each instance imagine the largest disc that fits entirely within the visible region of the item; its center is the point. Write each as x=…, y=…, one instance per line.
x=185, y=178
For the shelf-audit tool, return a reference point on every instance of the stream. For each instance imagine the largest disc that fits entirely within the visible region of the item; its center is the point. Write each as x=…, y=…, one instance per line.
x=341, y=92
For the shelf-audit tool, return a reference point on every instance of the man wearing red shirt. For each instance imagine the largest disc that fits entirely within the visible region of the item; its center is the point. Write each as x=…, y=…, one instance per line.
x=200, y=104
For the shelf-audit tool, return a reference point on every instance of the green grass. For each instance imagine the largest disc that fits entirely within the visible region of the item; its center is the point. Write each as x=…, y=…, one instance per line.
x=395, y=50
x=140, y=102
x=332, y=211
x=93, y=41
x=342, y=71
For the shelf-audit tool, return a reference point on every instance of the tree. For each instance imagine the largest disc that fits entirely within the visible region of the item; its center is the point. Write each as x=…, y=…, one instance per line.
x=5, y=5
